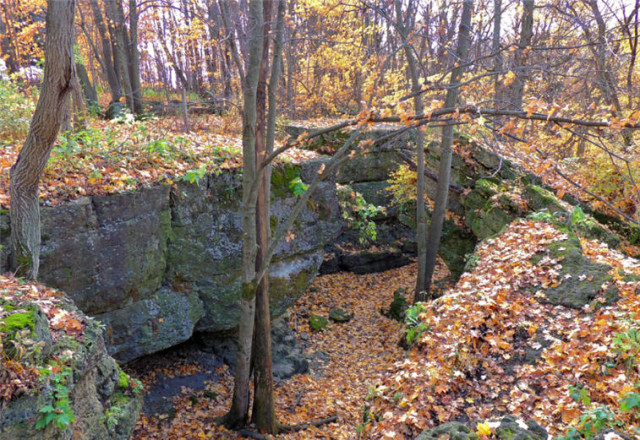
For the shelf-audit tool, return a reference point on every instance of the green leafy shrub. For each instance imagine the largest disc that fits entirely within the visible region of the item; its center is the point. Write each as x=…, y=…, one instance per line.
x=359, y=214
x=59, y=411
x=626, y=345
x=415, y=326
x=16, y=110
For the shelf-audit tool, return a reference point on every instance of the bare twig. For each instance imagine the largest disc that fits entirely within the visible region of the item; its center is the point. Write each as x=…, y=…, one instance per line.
x=414, y=167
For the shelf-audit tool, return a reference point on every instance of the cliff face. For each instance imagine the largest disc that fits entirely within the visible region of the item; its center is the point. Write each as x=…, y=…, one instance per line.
x=156, y=264
x=160, y=263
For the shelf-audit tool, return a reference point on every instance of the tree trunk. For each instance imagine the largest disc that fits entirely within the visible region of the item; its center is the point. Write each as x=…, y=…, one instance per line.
x=52, y=107
x=264, y=405
x=291, y=63
x=89, y=92
x=444, y=174
x=116, y=19
x=109, y=70
x=412, y=71
x=517, y=88
x=497, y=54
x=607, y=82
x=239, y=412
x=134, y=59
x=9, y=43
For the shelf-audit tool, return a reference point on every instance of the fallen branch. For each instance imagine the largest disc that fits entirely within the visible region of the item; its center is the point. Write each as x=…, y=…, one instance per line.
x=298, y=400
x=303, y=426
x=583, y=189
x=285, y=429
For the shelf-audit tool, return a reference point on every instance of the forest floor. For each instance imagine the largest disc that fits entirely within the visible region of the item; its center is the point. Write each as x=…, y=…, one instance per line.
x=489, y=348
x=352, y=358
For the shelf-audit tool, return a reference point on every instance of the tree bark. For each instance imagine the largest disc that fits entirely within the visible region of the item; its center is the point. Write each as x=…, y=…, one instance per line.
x=421, y=217
x=446, y=152
x=52, y=108
x=264, y=405
x=495, y=48
x=89, y=92
x=517, y=88
x=116, y=19
x=108, y=64
x=134, y=59
x=239, y=412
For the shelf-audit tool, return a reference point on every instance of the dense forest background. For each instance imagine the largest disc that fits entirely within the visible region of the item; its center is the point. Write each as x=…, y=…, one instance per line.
x=552, y=86
x=569, y=58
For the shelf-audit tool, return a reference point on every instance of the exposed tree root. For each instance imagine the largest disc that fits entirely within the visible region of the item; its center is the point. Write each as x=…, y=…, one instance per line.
x=285, y=429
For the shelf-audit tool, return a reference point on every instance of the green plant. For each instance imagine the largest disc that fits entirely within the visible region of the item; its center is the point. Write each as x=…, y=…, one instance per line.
x=630, y=402
x=591, y=422
x=297, y=186
x=415, y=326
x=358, y=213
x=626, y=344
x=123, y=379
x=194, y=176
x=580, y=394
x=286, y=180
x=59, y=412
x=111, y=417
x=159, y=147
x=16, y=109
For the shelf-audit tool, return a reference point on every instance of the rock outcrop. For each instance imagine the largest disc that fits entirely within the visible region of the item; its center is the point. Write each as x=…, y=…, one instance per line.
x=159, y=263
x=488, y=193
x=72, y=380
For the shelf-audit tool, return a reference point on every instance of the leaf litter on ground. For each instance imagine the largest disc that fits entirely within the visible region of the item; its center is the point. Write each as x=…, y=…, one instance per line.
x=469, y=365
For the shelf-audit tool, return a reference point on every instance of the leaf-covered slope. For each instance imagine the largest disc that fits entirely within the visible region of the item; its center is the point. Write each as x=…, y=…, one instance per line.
x=496, y=346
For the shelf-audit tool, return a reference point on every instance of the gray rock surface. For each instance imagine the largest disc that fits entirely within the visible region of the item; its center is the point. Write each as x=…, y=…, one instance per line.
x=158, y=263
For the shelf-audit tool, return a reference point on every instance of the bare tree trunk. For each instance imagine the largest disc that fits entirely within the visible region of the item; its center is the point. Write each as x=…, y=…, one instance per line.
x=89, y=92
x=110, y=71
x=607, y=82
x=421, y=220
x=239, y=412
x=134, y=58
x=116, y=18
x=9, y=41
x=185, y=110
x=497, y=60
x=444, y=174
x=52, y=108
x=264, y=405
x=291, y=62
x=517, y=88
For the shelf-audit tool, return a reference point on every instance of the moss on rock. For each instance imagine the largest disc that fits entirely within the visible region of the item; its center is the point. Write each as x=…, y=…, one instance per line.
x=318, y=323
x=580, y=279
x=508, y=428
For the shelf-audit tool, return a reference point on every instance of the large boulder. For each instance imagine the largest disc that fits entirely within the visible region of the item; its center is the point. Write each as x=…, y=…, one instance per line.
x=57, y=339
x=580, y=280
x=156, y=264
